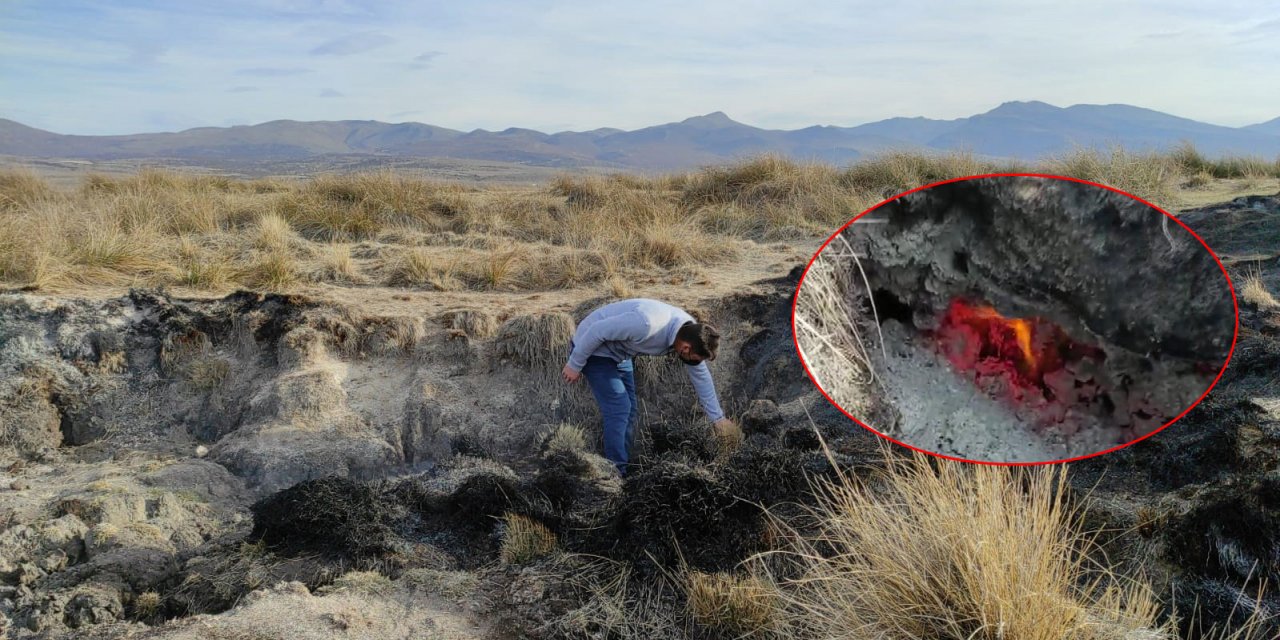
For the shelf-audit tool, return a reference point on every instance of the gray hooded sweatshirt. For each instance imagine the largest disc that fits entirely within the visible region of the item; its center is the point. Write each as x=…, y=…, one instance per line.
x=620, y=330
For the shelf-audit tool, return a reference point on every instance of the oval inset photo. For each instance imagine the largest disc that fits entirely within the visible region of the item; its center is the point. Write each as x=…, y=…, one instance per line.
x=1015, y=319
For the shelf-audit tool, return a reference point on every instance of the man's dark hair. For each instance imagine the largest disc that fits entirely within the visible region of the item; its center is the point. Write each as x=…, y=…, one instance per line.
x=702, y=337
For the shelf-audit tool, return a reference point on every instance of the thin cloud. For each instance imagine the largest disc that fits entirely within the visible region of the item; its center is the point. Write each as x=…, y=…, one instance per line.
x=331, y=93
x=425, y=59
x=353, y=44
x=242, y=89
x=272, y=72
x=1264, y=27
x=145, y=53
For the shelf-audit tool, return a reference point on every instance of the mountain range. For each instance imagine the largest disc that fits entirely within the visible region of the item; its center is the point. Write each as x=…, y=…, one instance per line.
x=1026, y=130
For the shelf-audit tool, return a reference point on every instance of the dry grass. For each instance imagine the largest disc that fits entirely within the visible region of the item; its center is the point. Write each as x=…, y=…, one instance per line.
x=893, y=172
x=567, y=437
x=1254, y=292
x=536, y=340
x=525, y=540
x=1191, y=162
x=952, y=551
x=831, y=331
x=337, y=265
x=617, y=605
x=451, y=584
x=362, y=582
x=1151, y=176
x=418, y=267
x=734, y=605
x=215, y=233
x=472, y=323
x=146, y=605
x=728, y=438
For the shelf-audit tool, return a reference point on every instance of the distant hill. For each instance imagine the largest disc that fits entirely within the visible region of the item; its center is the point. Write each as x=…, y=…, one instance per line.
x=1026, y=130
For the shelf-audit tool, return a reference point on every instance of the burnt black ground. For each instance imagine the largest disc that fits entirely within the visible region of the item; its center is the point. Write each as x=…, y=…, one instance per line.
x=1203, y=495
x=1208, y=486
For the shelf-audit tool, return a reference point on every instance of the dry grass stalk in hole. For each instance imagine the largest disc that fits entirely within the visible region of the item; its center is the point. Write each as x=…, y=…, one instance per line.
x=728, y=438
x=525, y=539
x=827, y=324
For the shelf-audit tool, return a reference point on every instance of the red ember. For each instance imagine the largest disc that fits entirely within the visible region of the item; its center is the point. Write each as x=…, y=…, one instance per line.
x=1030, y=362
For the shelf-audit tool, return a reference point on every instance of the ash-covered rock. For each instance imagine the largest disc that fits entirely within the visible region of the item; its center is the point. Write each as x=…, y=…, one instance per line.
x=1096, y=262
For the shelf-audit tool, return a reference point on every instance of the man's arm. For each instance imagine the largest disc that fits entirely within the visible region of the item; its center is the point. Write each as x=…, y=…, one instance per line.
x=626, y=326
x=700, y=376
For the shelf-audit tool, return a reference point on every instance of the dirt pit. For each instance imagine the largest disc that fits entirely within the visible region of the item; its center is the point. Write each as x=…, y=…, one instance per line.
x=1015, y=319
x=162, y=459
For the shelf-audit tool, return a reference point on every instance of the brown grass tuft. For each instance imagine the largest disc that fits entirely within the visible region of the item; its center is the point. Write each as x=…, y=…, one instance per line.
x=1149, y=175
x=21, y=188
x=423, y=267
x=473, y=323
x=1254, y=292
x=734, y=605
x=567, y=437
x=337, y=265
x=963, y=552
x=536, y=340
x=273, y=271
x=525, y=540
x=146, y=605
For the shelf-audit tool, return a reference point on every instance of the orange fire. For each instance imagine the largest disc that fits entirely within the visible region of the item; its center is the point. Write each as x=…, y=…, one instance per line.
x=1020, y=328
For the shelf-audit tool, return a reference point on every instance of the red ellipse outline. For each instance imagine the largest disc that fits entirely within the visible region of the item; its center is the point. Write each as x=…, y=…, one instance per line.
x=1230, y=286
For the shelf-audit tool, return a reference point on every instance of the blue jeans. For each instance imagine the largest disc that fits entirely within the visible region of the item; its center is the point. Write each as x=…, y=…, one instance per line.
x=614, y=386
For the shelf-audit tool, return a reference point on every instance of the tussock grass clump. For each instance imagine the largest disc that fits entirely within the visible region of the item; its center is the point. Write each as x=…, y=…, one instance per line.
x=419, y=267
x=473, y=323
x=200, y=267
x=893, y=172
x=273, y=271
x=965, y=552
x=525, y=539
x=1193, y=163
x=566, y=437
x=732, y=604
x=358, y=206
x=273, y=233
x=536, y=340
x=1254, y=292
x=21, y=188
x=147, y=605
x=337, y=265
x=768, y=178
x=1150, y=175
x=728, y=438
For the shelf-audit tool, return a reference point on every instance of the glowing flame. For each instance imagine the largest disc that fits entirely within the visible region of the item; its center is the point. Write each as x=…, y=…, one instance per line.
x=986, y=318
x=1022, y=331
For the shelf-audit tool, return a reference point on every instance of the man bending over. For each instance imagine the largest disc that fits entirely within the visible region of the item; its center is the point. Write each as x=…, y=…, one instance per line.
x=602, y=350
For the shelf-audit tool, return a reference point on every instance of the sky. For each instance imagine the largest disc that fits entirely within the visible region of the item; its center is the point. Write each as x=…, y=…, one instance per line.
x=142, y=66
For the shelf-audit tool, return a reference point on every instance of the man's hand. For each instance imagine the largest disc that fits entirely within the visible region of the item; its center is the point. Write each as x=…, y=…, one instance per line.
x=570, y=375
